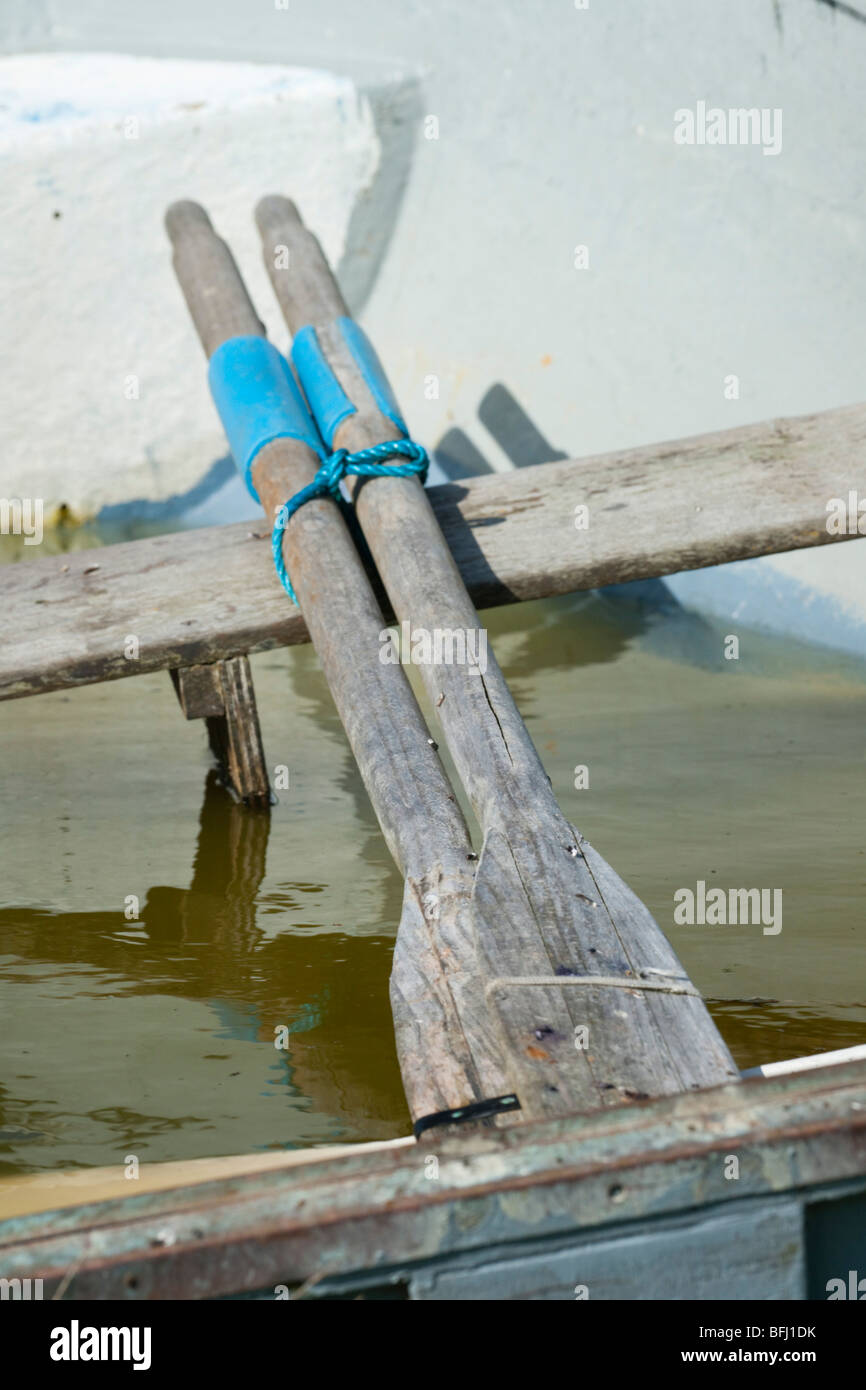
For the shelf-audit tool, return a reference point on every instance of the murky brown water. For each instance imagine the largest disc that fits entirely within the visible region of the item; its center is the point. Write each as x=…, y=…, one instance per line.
x=155, y=1036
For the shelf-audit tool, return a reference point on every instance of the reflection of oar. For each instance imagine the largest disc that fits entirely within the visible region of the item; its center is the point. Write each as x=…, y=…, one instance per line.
x=549, y=912
x=447, y=1059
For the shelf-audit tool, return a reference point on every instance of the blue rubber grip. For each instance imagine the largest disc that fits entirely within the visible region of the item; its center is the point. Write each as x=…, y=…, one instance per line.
x=327, y=399
x=258, y=401
x=372, y=371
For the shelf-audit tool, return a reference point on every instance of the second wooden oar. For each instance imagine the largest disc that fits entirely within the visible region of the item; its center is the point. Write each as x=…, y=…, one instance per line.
x=592, y=1005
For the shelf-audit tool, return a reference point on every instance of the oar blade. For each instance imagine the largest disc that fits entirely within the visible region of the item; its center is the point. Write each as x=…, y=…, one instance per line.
x=549, y=919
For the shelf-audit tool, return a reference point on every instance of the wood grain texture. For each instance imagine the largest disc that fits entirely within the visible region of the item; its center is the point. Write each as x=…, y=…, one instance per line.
x=199, y=690
x=196, y=596
x=539, y=909
x=445, y=1056
x=223, y=695
x=235, y=735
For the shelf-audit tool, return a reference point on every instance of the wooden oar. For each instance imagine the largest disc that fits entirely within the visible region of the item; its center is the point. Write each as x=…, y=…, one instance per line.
x=550, y=914
x=447, y=1055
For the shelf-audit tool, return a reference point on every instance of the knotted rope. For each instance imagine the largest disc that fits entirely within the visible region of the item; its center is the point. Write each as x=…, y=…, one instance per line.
x=366, y=463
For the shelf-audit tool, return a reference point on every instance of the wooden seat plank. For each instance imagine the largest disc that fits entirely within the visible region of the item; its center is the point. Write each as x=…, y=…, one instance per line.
x=194, y=597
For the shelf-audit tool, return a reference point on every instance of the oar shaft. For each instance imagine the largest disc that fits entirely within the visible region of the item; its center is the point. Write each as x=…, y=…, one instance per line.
x=413, y=800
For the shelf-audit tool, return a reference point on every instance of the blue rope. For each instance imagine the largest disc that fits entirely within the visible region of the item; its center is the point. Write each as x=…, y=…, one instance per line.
x=366, y=463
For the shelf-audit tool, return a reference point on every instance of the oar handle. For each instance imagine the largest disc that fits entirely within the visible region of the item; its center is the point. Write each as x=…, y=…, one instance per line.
x=213, y=288
x=294, y=259
x=251, y=383
x=344, y=382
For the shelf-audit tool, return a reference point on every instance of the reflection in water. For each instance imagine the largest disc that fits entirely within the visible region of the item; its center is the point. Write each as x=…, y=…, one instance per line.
x=787, y=1030
x=204, y=943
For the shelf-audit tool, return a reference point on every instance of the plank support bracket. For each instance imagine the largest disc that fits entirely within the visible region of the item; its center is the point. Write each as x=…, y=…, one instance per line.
x=222, y=695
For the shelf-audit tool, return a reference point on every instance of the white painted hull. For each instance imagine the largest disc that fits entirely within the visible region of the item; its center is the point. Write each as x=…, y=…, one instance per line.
x=555, y=130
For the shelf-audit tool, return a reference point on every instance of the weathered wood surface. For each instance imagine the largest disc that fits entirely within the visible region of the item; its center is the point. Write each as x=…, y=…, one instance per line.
x=196, y=596
x=235, y=735
x=223, y=695
x=606, y=1188
x=446, y=1057
x=543, y=908
x=199, y=690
